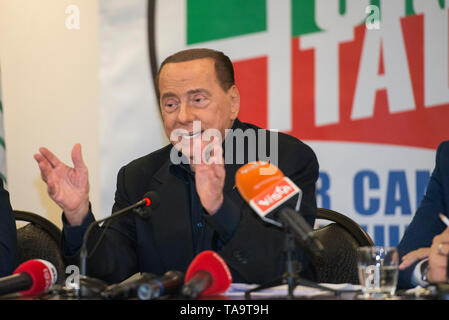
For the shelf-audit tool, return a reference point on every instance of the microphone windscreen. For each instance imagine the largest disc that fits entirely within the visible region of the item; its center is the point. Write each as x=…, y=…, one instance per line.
x=154, y=198
x=265, y=188
x=43, y=274
x=212, y=263
x=250, y=179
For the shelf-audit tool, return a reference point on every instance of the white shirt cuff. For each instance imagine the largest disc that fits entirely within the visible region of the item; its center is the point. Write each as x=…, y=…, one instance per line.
x=417, y=275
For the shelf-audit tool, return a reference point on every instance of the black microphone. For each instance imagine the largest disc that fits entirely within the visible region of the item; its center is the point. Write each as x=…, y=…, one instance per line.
x=145, y=207
x=301, y=228
x=149, y=200
x=171, y=282
x=128, y=288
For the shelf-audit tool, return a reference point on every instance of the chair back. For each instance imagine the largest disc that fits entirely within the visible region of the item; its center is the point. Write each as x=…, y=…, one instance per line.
x=39, y=239
x=340, y=240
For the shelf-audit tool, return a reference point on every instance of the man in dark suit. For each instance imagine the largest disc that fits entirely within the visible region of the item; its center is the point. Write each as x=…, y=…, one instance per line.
x=8, y=234
x=200, y=207
x=424, y=247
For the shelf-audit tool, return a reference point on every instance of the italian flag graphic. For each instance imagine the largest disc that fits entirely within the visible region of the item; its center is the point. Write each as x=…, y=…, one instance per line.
x=313, y=69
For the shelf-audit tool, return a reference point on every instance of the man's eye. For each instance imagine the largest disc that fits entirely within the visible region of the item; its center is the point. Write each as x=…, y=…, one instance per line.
x=199, y=100
x=170, y=105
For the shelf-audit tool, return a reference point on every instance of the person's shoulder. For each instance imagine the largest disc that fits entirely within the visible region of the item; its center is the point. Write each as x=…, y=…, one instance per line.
x=444, y=147
x=295, y=154
x=284, y=138
x=149, y=163
x=290, y=149
x=442, y=156
x=287, y=142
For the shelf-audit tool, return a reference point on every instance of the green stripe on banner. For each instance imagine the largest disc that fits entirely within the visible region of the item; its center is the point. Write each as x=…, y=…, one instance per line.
x=2, y=143
x=303, y=17
x=408, y=6
x=212, y=20
x=303, y=14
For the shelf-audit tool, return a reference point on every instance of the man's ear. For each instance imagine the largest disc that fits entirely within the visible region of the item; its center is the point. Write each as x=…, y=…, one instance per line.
x=234, y=95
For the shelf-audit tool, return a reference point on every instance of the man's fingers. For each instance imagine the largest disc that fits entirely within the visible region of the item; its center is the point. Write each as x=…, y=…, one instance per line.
x=219, y=171
x=44, y=166
x=51, y=158
x=197, y=152
x=440, y=243
x=77, y=157
x=442, y=248
x=414, y=256
x=422, y=253
x=407, y=260
x=52, y=189
x=215, y=153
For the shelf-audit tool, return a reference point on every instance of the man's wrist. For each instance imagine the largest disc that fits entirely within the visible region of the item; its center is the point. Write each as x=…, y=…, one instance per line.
x=217, y=205
x=77, y=216
x=73, y=235
x=225, y=220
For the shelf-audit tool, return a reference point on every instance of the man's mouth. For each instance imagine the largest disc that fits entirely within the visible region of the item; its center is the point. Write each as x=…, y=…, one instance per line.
x=191, y=135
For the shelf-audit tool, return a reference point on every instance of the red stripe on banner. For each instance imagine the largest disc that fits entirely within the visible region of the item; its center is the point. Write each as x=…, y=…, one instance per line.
x=423, y=127
x=251, y=79
x=381, y=62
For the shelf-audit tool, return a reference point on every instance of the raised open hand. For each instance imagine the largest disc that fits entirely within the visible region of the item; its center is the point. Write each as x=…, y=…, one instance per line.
x=67, y=186
x=209, y=179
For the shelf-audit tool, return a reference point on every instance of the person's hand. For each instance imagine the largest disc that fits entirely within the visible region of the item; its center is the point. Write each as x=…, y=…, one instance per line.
x=68, y=187
x=413, y=256
x=210, y=179
x=438, y=258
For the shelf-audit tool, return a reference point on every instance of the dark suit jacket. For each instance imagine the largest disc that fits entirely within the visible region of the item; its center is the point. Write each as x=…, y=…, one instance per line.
x=426, y=223
x=164, y=242
x=8, y=234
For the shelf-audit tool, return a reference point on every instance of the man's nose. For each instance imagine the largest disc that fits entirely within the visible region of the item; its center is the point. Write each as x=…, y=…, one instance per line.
x=185, y=113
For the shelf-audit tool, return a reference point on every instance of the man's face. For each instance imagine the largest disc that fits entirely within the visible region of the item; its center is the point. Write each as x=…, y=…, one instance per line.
x=191, y=94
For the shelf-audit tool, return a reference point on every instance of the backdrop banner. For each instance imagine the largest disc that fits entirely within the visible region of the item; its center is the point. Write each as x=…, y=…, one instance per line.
x=364, y=83
x=2, y=140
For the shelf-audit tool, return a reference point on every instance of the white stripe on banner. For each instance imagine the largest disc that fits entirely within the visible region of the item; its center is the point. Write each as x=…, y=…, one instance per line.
x=130, y=124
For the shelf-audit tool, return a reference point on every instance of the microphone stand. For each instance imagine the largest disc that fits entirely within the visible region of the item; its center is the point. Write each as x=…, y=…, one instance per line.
x=89, y=286
x=293, y=268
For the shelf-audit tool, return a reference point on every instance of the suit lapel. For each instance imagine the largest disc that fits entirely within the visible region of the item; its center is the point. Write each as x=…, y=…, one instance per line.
x=231, y=168
x=171, y=221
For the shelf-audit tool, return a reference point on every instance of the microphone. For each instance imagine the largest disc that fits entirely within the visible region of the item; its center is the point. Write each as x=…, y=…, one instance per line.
x=31, y=278
x=169, y=283
x=268, y=194
x=144, y=207
x=302, y=230
x=150, y=201
x=128, y=288
x=208, y=274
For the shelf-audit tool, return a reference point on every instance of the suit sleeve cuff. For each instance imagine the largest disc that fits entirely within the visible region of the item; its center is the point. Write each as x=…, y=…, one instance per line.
x=73, y=235
x=225, y=220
